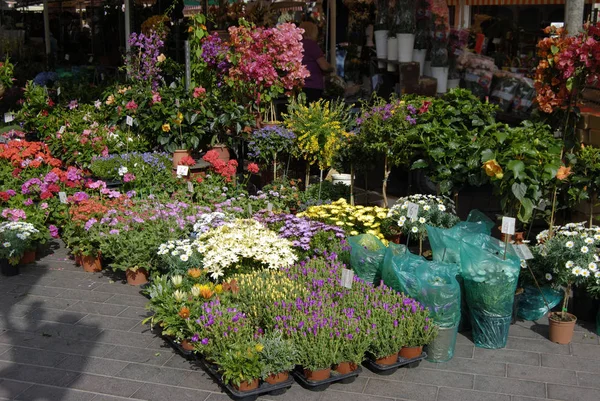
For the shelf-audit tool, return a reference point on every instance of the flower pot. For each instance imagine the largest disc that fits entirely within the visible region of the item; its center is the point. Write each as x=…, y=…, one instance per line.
x=7, y=269
x=396, y=238
x=441, y=74
x=77, y=258
x=427, y=69
x=406, y=44
x=411, y=352
x=561, y=332
x=247, y=385
x=91, y=264
x=317, y=375
x=381, y=39
x=278, y=378
x=344, y=368
x=178, y=155
x=27, y=258
x=387, y=360
x=222, y=151
x=392, y=53
x=136, y=277
x=187, y=345
x=341, y=178
x=419, y=56
x=453, y=83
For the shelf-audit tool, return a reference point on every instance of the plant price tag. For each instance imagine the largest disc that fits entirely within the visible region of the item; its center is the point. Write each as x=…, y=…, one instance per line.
x=63, y=197
x=347, y=278
x=269, y=207
x=58, y=91
x=183, y=171
x=61, y=130
x=190, y=186
x=8, y=117
x=508, y=225
x=524, y=252
x=67, y=57
x=129, y=121
x=412, y=211
x=249, y=210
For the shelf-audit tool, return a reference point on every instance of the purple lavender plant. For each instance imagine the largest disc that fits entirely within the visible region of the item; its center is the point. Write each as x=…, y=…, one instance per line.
x=143, y=62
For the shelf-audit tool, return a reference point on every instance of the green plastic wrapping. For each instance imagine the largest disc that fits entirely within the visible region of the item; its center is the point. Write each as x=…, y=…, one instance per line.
x=532, y=305
x=442, y=348
x=490, y=276
x=445, y=243
x=366, y=257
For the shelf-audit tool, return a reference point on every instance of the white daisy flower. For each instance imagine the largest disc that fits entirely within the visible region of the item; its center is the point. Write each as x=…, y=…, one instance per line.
x=596, y=258
x=184, y=257
x=597, y=274
x=589, y=240
x=415, y=230
x=400, y=223
x=570, y=244
x=548, y=276
x=576, y=271
x=6, y=244
x=569, y=264
x=426, y=208
x=441, y=208
x=585, y=273
x=593, y=266
x=585, y=249
x=422, y=220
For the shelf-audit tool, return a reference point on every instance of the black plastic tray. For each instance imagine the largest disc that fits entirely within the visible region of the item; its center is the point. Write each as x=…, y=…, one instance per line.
x=324, y=384
x=263, y=389
x=390, y=369
x=189, y=355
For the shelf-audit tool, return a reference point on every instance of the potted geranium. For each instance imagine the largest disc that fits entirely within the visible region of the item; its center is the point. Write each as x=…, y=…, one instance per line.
x=15, y=240
x=278, y=357
x=565, y=258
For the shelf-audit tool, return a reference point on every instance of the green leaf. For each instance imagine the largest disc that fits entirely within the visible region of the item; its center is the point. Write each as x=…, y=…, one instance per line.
x=487, y=154
x=419, y=164
x=526, y=210
x=516, y=166
x=519, y=190
x=554, y=49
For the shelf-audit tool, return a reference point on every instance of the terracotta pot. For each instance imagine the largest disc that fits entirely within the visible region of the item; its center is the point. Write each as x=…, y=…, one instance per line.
x=136, y=277
x=223, y=152
x=387, y=360
x=317, y=375
x=346, y=367
x=395, y=238
x=178, y=155
x=91, y=264
x=411, y=352
x=247, y=385
x=186, y=345
x=28, y=257
x=519, y=237
x=278, y=378
x=77, y=259
x=561, y=332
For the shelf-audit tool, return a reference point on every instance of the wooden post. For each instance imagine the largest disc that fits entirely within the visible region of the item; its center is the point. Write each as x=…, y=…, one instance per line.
x=332, y=30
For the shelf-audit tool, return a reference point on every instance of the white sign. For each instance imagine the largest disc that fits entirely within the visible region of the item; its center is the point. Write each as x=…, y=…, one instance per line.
x=508, y=225
x=183, y=171
x=190, y=186
x=412, y=211
x=58, y=91
x=8, y=117
x=67, y=57
x=63, y=197
x=61, y=130
x=347, y=278
x=249, y=209
x=269, y=207
x=523, y=251
x=129, y=121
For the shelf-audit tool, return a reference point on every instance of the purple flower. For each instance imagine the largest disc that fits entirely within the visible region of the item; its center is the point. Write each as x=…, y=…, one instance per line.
x=204, y=341
x=89, y=224
x=80, y=196
x=28, y=202
x=53, y=231
x=114, y=232
x=73, y=104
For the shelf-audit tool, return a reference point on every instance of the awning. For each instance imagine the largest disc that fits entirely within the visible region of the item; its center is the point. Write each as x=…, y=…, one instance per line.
x=509, y=2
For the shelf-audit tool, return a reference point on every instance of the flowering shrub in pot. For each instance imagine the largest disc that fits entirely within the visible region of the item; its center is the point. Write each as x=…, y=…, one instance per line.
x=419, y=330
x=268, y=142
x=15, y=240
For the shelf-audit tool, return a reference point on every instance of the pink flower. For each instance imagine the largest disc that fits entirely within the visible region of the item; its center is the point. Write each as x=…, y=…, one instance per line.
x=253, y=168
x=53, y=231
x=128, y=177
x=131, y=105
x=199, y=91
x=44, y=205
x=28, y=202
x=156, y=97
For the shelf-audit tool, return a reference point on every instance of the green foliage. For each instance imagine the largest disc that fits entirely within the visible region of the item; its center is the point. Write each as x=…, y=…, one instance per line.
x=585, y=178
x=278, y=354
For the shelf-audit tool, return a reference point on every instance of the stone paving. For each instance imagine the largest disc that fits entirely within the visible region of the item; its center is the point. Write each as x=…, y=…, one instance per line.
x=67, y=335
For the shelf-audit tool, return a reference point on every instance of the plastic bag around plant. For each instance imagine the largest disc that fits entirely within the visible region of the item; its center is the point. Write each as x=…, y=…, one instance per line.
x=366, y=257
x=490, y=275
x=445, y=243
x=532, y=306
x=442, y=348
x=397, y=260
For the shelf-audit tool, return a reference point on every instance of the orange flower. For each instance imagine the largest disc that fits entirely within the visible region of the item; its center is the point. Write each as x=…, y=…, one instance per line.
x=563, y=173
x=206, y=292
x=184, y=312
x=493, y=169
x=195, y=272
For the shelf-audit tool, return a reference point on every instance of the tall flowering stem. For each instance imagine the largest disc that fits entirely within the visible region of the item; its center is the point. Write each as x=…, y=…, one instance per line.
x=143, y=64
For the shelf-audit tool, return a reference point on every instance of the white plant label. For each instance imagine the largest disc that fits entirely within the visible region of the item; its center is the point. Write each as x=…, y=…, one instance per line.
x=63, y=197
x=190, y=186
x=102, y=76
x=508, y=225
x=250, y=210
x=67, y=57
x=58, y=91
x=91, y=59
x=412, y=211
x=61, y=130
x=347, y=278
x=524, y=251
x=269, y=207
x=176, y=102
x=183, y=171
x=8, y=117
x=129, y=121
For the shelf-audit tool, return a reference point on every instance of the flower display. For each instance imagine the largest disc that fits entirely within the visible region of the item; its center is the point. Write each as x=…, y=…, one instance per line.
x=435, y=211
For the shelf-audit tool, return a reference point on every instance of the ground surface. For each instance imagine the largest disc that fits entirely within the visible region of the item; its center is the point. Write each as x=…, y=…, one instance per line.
x=67, y=335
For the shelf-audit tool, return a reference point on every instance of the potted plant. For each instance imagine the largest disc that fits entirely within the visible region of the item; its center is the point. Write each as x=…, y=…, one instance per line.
x=268, y=142
x=240, y=363
x=419, y=328
x=566, y=257
x=278, y=357
x=405, y=25
x=15, y=240
x=439, y=45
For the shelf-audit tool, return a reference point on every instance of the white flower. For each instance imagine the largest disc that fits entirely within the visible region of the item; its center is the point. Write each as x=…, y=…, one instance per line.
x=422, y=220
x=589, y=240
x=569, y=264
x=593, y=266
x=585, y=273
x=570, y=244
x=415, y=229
x=426, y=208
x=523, y=264
x=185, y=257
x=585, y=249
x=576, y=271
x=597, y=274
x=441, y=208
x=400, y=223
x=548, y=276
x=177, y=281
x=123, y=170
x=179, y=295
x=195, y=291
x=6, y=244
x=597, y=237
x=402, y=219
x=596, y=258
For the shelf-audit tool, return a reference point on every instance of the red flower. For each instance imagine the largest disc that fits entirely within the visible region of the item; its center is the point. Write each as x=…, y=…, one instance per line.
x=46, y=195
x=50, y=102
x=253, y=168
x=45, y=113
x=187, y=161
x=425, y=107
x=4, y=196
x=199, y=91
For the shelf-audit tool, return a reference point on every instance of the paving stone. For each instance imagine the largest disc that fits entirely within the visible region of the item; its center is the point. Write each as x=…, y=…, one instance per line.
x=332, y=395
x=118, y=288
x=101, y=397
x=408, y=391
x=439, y=378
x=83, y=295
x=536, y=332
x=10, y=311
x=535, y=345
x=542, y=374
x=464, y=350
x=106, y=385
x=33, y=356
x=38, y=375
x=466, y=365
x=217, y=397
x=519, y=398
x=297, y=393
x=59, y=316
x=122, y=299
x=37, y=290
x=47, y=393
x=70, y=331
x=97, y=308
x=199, y=380
x=118, y=337
x=108, y=322
x=139, y=355
x=10, y=389
x=568, y=393
x=570, y=363
x=46, y=302
x=586, y=351
x=508, y=356
x=99, y=366
x=135, y=312
x=152, y=374
x=510, y=386
x=588, y=379
x=356, y=386
x=453, y=394
x=86, y=284
x=158, y=392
